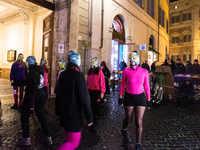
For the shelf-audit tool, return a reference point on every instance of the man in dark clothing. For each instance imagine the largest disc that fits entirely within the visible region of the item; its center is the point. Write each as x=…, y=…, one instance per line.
x=172, y=65
x=153, y=66
x=180, y=68
x=195, y=67
x=185, y=90
x=188, y=67
x=122, y=65
x=145, y=65
x=34, y=99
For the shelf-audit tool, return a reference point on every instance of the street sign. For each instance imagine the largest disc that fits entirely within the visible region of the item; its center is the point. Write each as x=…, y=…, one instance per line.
x=61, y=48
x=143, y=46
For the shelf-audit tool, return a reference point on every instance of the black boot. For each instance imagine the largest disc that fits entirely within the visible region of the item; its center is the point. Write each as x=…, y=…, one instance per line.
x=15, y=106
x=127, y=138
x=137, y=146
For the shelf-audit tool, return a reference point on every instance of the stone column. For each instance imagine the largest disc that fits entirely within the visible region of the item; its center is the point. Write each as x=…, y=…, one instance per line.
x=60, y=35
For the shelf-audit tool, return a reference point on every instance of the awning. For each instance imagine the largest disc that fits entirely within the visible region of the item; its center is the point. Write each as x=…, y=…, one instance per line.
x=49, y=4
x=153, y=50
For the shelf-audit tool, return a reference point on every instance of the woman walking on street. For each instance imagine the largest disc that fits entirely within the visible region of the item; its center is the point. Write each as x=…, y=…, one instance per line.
x=34, y=100
x=137, y=80
x=72, y=96
x=96, y=86
x=106, y=73
x=18, y=80
x=43, y=63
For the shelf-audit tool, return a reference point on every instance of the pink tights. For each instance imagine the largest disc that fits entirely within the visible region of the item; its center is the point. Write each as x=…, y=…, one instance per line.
x=72, y=140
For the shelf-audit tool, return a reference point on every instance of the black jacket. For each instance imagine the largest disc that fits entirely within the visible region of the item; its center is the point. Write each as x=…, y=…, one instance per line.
x=107, y=74
x=153, y=67
x=195, y=69
x=34, y=84
x=145, y=66
x=186, y=89
x=180, y=69
x=72, y=96
x=122, y=65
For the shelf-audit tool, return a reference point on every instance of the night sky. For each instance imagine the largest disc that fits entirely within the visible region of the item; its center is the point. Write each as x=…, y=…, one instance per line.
x=173, y=0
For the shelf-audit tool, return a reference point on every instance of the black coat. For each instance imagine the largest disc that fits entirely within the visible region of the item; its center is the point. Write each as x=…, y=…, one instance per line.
x=106, y=73
x=153, y=67
x=195, y=69
x=122, y=65
x=72, y=96
x=180, y=69
x=145, y=66
x=188, y=69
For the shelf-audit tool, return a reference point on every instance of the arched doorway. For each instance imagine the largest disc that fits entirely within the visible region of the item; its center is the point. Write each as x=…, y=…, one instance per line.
x=119, y=51
x=152, y=52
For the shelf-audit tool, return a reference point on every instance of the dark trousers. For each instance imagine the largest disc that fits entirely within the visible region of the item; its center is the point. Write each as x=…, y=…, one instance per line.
x=189, y=98
x=94, y=96
x=39, y=110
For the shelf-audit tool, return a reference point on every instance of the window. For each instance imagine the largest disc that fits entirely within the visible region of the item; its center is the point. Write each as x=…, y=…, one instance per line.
x=167, y=26
x=186, y=16
x=150, y=8
x=161, y=17
x=175, y=57
x=187, y=57
x=175, y=19
x=140, y=3
x=187, y=38
x=175, y=40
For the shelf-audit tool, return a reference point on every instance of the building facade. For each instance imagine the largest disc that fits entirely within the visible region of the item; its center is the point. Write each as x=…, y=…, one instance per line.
x=184, y=30
x=106, y=29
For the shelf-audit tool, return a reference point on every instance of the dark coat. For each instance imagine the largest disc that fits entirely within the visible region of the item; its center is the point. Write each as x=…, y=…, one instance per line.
x=145, y=66
x=153, y=67
x=172, y=65
x=186, y=89
x=188, y=69
x=180, y=69
x=34, y=84
x=195, y=69
x=72, y=96
x=106, y=73
x=122, y=65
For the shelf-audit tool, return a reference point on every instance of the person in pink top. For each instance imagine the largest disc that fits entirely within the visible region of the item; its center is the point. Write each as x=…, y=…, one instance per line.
x=96, y=86
x=137, y=81
x=43, y=63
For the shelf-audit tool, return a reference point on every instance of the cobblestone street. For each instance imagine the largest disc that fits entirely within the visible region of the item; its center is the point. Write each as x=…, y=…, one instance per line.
x=166, y=126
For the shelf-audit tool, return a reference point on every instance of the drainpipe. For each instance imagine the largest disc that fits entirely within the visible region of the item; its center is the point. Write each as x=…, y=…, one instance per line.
x=158, y=27
x=102, y=18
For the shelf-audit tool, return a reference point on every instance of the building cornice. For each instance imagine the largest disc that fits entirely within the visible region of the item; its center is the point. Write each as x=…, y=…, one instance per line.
x=22, y=4
x=19, y=14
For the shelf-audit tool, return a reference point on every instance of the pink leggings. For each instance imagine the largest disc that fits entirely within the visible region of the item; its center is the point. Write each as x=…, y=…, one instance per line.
x=72, y=140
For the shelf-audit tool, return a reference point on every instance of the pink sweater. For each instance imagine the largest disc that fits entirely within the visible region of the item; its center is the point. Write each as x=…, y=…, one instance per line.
x=96, y=82
x=137, y=81
x=45, y=76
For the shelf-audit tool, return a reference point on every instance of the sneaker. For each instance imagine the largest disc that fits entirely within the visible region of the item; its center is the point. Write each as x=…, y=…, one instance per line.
x=127, y=138
x=24, y=142
x=49, y=141
x=15, y=106
x=137, y=146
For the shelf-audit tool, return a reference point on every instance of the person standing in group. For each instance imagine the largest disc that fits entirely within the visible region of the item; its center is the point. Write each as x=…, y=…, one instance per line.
x=34, y=100
x=180, y=68
x=43, y=63
x=61, y=66
x=153, y=66
x=188, y=67
x=195, y=69
x=18, y=80
x=96, y=86
x=72, y=96
x=137, y=80
x=145, y=65
x=106, y=73
x=122, y=66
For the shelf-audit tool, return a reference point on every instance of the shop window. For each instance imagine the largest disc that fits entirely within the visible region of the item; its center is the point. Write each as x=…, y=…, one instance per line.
x=175, y=57
x=187, y=17
x=187, y=38
x=175, y=40
x=187, y=57
x=175, y=19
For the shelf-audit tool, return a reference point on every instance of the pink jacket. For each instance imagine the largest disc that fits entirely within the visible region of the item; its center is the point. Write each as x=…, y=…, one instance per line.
x=137, y=81
x=96, y=82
